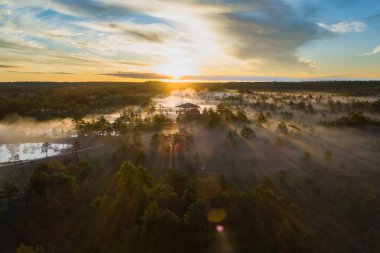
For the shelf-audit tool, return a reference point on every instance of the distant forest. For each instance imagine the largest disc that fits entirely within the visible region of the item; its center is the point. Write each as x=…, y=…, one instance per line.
x=49, y=100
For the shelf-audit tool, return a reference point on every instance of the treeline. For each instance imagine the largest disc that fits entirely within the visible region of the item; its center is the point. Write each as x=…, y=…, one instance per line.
x=337, y=106
x=45, y=101
x=131, y=120
x=224, y=113
x=350, y=88
x=64, y=209
x=128, y=121
x=352, y=119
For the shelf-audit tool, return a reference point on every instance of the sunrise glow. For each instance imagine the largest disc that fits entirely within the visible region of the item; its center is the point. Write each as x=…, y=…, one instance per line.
x=220, y=40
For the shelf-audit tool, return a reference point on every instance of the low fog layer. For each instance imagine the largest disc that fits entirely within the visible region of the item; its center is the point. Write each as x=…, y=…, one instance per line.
x=20, y=129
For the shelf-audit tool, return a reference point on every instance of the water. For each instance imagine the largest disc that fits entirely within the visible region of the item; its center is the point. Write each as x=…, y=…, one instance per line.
x=29, y=151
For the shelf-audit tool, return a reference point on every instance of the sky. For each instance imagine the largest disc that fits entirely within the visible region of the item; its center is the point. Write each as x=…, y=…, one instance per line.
x=215, y=40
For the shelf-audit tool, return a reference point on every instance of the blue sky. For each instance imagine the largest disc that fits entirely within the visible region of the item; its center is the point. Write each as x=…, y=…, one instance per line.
x=99, y=40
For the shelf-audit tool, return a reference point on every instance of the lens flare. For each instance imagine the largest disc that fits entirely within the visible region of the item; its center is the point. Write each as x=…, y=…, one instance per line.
x=219, y=228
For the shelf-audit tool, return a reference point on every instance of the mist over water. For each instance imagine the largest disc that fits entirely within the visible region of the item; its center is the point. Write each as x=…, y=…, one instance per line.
x=21, y=138
x=16, y=128
x=23, y=135
x=14, y=152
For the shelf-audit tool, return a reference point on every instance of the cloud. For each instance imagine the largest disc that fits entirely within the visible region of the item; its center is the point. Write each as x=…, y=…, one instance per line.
x=376, y=50
x=156, y=33
x=233, y=37
x=272, y=30
x=90, y=8
x=18, y=50
x=344, y=27
x=7, y=67
x=134, y=63
x=375, y=16
x=205, y=32
x=311, y=63
x=47, y=73
x=18, y=44
x=138, y=75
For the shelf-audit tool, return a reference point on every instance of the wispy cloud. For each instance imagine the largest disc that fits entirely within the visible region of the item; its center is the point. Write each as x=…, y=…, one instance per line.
x=156, y=33
x=311, y=63
x=134, y=63
x=90, y=8
x=138, y=75
x=376, y=50
x=7, y=67
x=374, y=16
x=344, y=27
x=157, y=38
x=44, y=73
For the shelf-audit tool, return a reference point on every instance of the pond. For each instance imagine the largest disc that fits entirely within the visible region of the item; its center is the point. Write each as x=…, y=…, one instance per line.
x=14, y=152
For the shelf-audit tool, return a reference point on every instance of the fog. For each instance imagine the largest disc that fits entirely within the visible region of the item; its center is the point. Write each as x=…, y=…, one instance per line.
x=19, y=129
x=14, y=152
x=267, y=153
x=354, y=151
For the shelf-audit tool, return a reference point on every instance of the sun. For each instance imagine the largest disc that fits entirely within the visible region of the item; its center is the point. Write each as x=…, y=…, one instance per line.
x=176, y=70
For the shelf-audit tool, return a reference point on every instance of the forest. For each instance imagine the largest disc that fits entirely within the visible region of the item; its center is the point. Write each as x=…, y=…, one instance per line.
x=44, y=100
x=248, y=167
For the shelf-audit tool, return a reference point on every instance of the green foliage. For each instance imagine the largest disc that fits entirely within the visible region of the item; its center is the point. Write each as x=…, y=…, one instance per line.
x=247, y=230
x=287, y=116
x=156, y=139
x=61, y=100
x=99, y=202
x=241, y=116
x=211, y=117
x=51, y=179
x=232, y=133
x=282, y=128
x=309, y=109
x=159, y=121
x=100, y=206
x=165, y=196
x=179, y=180
x=130, y=178
x=260, y=118
x=10, y=189
x=137, y=139
x=26, y=249
x=182, y=140
x=247, y=132
x=45, y=148
x=283, y=218
x=159, y=227
x=353, y=119
x=46, y=101
x=76, y=146
x=129, y=120
x=224, y=113
x=196, y=216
